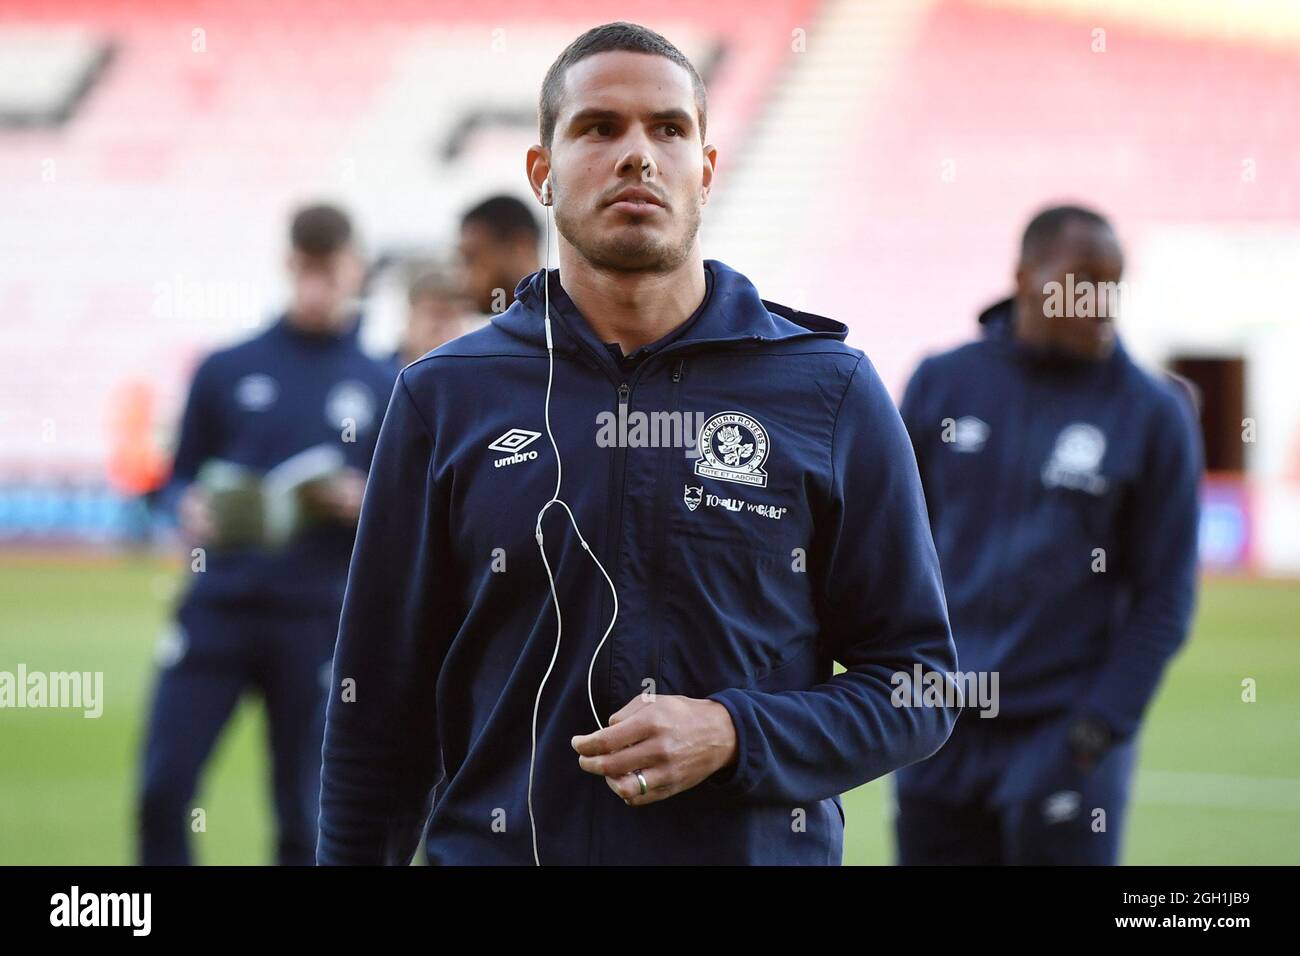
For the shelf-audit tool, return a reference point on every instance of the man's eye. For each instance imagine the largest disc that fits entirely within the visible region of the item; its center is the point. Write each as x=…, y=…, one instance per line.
x=677, y=130
x=601, y=129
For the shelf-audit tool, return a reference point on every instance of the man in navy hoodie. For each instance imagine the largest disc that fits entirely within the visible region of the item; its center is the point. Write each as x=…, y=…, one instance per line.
x=697, y=719
x=1062, y=485
x=255, y=617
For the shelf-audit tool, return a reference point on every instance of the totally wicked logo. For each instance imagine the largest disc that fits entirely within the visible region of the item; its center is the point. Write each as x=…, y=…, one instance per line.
x=695, y=495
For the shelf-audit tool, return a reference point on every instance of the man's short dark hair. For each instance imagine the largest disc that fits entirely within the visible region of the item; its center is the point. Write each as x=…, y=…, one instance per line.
x=622, y=35
x=1048, y=224
x=505, y=217
x=320, y=230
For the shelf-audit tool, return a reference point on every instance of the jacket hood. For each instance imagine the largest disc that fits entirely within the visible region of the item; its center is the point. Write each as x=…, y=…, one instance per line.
x=734, y=313
x=995, y=321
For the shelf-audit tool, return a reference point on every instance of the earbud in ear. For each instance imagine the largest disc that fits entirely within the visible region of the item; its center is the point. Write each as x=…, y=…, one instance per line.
x=547, y=197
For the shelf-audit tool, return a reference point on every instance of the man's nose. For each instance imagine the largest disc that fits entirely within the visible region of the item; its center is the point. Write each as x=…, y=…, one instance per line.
x=638, y=160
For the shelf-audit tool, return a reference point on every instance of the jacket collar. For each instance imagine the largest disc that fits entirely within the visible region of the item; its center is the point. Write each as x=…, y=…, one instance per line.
x=734, y=314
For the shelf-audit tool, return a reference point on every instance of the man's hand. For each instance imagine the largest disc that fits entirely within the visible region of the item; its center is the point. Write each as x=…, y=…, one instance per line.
x=194, y=513
x=1090, y=739
x=340, y=497
x=675, y=742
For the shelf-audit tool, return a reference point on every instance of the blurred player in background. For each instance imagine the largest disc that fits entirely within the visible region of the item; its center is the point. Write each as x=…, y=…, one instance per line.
x=498, y=245
x=264, y=617
x=1061, y=481
x=439, y=311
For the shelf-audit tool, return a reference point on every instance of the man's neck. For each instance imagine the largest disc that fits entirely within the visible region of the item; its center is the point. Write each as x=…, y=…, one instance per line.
x=1044, y=353
x=633, y=308
x=333, y=330
x=1024, y=331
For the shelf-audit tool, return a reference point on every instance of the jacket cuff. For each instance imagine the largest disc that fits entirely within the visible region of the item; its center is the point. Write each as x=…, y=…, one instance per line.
x=738, y=779
x=1097, y=706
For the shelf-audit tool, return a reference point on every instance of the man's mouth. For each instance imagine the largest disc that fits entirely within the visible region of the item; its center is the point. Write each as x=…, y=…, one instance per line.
x=636, y=201
x=641, y=209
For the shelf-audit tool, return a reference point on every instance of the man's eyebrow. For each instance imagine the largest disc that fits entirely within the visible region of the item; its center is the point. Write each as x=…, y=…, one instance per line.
x=679, y=115
x=591, y=114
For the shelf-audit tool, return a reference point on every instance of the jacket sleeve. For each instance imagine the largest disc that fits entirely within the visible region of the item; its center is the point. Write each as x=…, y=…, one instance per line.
x=1163, y=518
x=381, y=758
x=200, y=434
x=882, y=613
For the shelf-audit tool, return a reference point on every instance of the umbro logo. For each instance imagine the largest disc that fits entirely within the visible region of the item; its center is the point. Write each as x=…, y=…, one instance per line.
x=515, y=440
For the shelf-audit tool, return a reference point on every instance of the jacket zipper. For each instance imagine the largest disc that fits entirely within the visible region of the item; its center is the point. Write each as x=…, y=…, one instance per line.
x=663, y=503
x=615, y=521
x=619, y=481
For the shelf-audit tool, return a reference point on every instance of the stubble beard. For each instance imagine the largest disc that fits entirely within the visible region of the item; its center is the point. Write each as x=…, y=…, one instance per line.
x=630, y=250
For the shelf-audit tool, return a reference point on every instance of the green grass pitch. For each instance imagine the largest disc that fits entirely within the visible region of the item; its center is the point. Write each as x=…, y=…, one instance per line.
x=1219, y=781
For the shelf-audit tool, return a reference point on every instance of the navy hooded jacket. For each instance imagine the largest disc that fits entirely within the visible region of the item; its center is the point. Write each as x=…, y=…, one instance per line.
x=1063, y=496
x=799, y=539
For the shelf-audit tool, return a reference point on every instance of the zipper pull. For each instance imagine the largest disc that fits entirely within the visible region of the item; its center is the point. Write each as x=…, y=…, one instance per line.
x=623, y=391
x=677, y=372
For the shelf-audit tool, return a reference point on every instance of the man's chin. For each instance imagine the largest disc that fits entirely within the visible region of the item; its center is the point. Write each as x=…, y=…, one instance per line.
x=315, y=323
x=1093, y=350
x=1104, y=343
x=623, y=244
x=641, y=256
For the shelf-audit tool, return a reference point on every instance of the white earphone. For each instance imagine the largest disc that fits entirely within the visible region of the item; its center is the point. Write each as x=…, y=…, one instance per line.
x=547, y=199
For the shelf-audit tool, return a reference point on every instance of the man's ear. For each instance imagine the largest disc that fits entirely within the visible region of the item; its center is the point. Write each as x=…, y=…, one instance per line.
x=356, y=267
x=537, y=166
x=1022, y=278
x=710, y=166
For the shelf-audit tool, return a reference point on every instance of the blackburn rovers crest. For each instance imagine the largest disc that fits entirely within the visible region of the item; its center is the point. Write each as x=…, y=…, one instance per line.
x=1076, y=460
x=733, y=447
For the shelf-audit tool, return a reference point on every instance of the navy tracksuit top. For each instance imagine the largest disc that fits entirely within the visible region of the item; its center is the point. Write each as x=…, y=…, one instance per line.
x=797, y=538
x=256, y=404
x=1063, y=496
